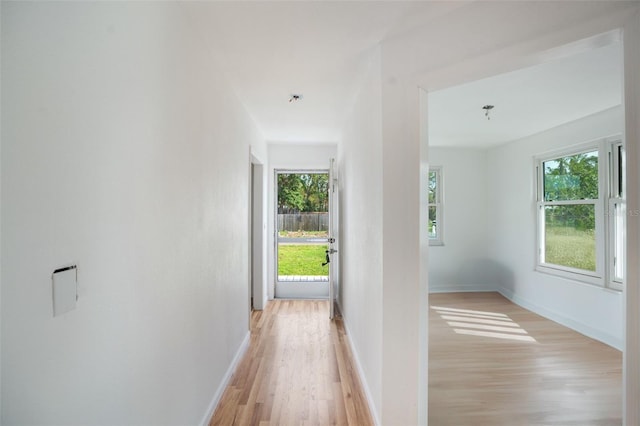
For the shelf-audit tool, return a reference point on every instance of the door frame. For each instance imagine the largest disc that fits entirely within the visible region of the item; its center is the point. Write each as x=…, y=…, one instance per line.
x=257, y=297
x=313, y=289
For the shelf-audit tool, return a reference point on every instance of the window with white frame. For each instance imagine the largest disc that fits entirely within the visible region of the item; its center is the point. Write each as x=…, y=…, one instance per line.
x=616, y=213
x=580, y=213
x=435, y=206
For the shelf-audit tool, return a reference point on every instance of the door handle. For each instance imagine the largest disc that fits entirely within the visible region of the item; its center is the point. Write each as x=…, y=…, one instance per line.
x=328, y=259
x=327, y=253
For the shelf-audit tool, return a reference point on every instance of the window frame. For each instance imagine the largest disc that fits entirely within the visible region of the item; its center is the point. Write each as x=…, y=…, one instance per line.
x=438, y=240
x=616, y=212
x=605, y=222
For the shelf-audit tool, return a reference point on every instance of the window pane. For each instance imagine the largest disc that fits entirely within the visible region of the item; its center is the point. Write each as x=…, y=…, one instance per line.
x=620, y=171
x=432, y=222
x=618, y=242
x=574, y=177
x=433, y=184
x=570, y=237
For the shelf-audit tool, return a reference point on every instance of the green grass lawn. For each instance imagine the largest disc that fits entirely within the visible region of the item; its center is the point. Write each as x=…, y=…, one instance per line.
x=571, y=247
x=302, y=259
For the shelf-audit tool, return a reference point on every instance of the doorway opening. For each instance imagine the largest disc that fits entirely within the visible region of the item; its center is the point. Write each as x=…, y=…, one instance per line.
x=257, y=237
x=302, y=233
x=514, y=155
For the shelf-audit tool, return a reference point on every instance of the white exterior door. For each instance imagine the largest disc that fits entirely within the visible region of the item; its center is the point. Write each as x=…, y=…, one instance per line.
x=332, y=246
x=302, y=233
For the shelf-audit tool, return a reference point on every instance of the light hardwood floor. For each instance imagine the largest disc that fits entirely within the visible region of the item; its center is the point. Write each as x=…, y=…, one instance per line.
x=491, y=363
x=494, y=363
x=298, y=370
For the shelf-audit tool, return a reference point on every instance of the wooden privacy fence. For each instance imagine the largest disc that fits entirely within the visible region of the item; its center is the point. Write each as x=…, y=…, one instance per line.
x=303, y=222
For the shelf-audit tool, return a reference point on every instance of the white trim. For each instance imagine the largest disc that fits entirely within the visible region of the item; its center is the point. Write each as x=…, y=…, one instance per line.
x=225, y=380
x=615, y=217
x=570, y=150
x=361, y=375
x=462, y=288
x=302, y=289
x=258, y=234
x=573, y=274
x=601, y=277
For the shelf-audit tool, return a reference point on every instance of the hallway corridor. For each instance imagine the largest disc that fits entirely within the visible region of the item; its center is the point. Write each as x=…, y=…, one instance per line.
x=297, y=370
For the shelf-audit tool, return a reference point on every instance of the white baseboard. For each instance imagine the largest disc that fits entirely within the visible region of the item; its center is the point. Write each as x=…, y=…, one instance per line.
x=225, y=380
x=563, y=320
x=362, y=377
x=458, y=288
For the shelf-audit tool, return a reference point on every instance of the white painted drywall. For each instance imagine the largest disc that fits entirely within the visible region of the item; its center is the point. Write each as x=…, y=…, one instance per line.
x=381, y=156
x=381, y=298
x=631, y=359
x=285, y=156
x=359, y=162
x=124, y=152
x=402, y=293
x=511, y=240
x=462, y=263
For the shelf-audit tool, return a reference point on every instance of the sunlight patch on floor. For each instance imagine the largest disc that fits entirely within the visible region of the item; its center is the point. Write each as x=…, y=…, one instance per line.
x=482, y=323
x=517, y=330
x=468, y=311
x=496, y=335
x=506, y=323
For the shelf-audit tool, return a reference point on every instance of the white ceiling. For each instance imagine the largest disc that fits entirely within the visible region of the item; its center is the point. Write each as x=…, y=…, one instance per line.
x=527, y=101
x=270, y=50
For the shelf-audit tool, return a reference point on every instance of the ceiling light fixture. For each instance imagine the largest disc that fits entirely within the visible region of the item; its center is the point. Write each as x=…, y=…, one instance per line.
x=295, y=98
x=486, y=109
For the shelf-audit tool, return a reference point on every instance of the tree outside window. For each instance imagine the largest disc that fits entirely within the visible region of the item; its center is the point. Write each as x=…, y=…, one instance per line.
x=435, y=206
x=581, y=219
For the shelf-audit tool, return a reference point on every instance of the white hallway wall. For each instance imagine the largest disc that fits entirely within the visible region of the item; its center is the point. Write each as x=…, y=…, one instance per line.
x=381, y=292
x=360, y=155
x=123, y=151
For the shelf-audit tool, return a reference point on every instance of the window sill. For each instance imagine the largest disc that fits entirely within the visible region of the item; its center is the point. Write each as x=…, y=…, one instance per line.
x=582, y=279
x=577, y=277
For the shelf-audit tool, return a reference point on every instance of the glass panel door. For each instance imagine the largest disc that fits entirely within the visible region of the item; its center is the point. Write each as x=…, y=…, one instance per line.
x=302, y=224
x=333, y=239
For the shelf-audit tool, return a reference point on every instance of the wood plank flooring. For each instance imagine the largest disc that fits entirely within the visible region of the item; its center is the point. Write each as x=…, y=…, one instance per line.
x=298, y=370
x=491, y=363
x=494, y=363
